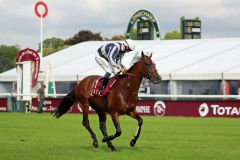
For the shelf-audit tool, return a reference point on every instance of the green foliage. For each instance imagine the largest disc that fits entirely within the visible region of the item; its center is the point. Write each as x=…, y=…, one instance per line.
x=118, y=37
x=115, y=38
x=7, y=57
x=52, y=45
x=172, y=35
x=34, y=136
x=133, y=34
x=82, y=36
x=48, y=51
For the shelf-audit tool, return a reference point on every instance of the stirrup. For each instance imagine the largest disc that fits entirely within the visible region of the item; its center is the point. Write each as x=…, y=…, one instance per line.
x=102, y=89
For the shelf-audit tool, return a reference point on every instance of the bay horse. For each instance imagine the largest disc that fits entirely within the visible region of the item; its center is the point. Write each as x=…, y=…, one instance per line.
x=121, y=99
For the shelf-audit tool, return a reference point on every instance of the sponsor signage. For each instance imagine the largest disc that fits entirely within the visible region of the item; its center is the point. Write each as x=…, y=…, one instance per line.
x=139, y=16
x=3, y=104
x=216, y=109
x=209, y=108
x=50, y=104
x=167, y=108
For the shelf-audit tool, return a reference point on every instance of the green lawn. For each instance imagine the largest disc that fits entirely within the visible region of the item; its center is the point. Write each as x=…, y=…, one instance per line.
x=39, y=136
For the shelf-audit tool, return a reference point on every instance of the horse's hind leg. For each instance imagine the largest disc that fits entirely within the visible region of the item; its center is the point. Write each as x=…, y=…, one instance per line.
x=115, y=119
x=136, y=116
x=102, y=123
x=86, y=124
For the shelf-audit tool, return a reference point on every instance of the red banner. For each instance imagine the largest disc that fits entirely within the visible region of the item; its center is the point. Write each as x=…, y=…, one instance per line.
x=201, y=108
x=3, y=104
x=50, y=104
x=208, y=108
x=30, y=55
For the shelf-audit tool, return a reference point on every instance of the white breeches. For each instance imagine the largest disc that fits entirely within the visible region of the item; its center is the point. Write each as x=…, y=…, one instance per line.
x=106, y=66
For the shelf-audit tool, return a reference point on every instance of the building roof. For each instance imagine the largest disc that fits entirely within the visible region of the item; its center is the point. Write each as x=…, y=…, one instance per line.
x=199, y=59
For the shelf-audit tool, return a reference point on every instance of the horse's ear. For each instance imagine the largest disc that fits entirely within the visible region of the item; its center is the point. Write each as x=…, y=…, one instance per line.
x=142, y=54
x=150, y=55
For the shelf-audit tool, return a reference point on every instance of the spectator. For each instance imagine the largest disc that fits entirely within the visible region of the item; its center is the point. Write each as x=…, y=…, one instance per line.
x=41, y=97
x=238, y=91
x=14, y=100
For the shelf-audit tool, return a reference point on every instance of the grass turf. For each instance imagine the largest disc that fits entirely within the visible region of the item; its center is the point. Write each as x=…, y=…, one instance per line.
x=39, y=136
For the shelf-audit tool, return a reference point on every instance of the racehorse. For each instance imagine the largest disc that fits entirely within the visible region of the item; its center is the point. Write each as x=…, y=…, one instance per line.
x=121, y=99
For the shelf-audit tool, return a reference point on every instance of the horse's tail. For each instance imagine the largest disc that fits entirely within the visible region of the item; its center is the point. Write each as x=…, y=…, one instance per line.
x=65, y=105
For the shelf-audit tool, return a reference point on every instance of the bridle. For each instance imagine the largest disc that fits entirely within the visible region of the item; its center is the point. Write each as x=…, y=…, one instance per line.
x=144, y=68
x=149, y=72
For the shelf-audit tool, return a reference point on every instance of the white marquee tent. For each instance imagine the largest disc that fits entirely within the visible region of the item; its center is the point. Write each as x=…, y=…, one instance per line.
x=201, y=59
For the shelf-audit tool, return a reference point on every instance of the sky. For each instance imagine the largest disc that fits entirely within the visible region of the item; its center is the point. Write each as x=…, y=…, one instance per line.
x=20, y=26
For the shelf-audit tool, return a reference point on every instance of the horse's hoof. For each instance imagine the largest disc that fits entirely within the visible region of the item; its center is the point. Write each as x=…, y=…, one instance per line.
x=132, y=143
x=95, y=144
x=105, y=139
x=113, y=149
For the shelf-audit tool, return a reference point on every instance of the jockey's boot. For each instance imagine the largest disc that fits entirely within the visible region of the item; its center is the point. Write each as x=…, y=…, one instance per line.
x=105, y=81
x=104, y=84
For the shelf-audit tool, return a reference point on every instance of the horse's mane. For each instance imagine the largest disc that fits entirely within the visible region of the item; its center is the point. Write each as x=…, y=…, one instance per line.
x=137, y=57
x=134, y=61
x=129, y=70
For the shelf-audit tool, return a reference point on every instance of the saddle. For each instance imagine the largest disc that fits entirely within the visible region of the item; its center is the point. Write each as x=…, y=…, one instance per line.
x=97, y=85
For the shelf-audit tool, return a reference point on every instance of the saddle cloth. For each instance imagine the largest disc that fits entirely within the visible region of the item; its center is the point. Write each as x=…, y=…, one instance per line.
x=97, y=85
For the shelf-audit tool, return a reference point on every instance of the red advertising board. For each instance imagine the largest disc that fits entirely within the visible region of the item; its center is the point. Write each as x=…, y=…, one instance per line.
x=3, y=104
x=201, y=108
x=50, y=104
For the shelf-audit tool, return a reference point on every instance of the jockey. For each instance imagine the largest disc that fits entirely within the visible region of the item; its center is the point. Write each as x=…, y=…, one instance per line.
x=109, y=57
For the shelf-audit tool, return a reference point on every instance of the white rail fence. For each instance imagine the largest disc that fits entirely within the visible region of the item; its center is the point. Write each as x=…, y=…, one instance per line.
x=148, y=96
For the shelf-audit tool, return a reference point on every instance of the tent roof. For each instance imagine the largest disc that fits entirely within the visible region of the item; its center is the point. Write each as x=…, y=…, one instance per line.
x=199, y=59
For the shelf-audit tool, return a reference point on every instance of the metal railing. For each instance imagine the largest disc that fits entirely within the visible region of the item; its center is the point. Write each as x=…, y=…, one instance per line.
x=190, y=96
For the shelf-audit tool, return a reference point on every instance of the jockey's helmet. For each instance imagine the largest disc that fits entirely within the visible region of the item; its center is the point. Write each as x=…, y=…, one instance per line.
x=130, y=44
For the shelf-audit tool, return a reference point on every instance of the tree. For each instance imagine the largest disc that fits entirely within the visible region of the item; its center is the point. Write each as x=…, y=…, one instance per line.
x=82, y=36
x=118, y=37
x=172, y=35
x=133, y=34
x=7, y=57
x=52, y=45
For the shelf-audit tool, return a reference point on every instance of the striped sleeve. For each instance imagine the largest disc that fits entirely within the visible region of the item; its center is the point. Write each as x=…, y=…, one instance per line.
x=113, y=55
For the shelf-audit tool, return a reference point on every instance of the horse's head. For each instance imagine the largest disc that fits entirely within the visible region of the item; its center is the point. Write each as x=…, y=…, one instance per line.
x=149, y=69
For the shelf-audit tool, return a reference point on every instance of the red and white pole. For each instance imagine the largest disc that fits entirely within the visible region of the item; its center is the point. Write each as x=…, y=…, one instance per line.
x=41, y=14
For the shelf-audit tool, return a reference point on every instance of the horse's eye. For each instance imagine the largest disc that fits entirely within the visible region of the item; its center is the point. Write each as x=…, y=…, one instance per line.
x=148, y=64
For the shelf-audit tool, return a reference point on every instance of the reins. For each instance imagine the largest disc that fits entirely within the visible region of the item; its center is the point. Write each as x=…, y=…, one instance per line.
x=126, y=73
x=130, y=74
x=149, y=74
x=133, y=75
x=144, y=69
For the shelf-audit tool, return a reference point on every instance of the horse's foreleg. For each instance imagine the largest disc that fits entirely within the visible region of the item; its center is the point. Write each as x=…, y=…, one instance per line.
x=102, y=123
x=86, y=124
x=136, y=116
x=115, y=119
